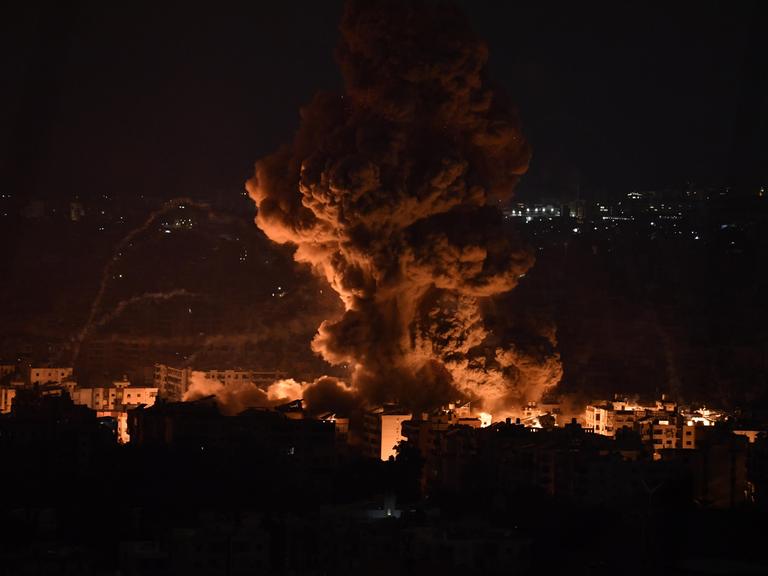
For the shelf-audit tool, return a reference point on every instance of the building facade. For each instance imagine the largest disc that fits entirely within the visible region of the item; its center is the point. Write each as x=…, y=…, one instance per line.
x=7, y=394
x=383, y=430
x=171, y=383
x=48, y=374
x=114, y=401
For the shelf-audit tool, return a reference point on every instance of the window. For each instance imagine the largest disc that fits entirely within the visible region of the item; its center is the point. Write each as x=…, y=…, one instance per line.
x=597, y=417
x=688, y=443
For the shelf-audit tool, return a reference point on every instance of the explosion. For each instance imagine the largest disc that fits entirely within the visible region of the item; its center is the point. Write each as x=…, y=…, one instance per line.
x=323, y=395
x=392, y=193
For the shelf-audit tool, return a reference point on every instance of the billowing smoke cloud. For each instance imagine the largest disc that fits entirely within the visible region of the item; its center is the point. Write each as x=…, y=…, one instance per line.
x=326, y=394
x=391, y=192
x=329, y=394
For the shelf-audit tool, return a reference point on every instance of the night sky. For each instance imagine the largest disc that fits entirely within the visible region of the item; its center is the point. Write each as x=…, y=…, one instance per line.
x=166, y=99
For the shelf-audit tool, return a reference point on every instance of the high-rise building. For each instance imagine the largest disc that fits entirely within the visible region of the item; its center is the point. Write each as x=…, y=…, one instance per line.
x=171, y=383
x=383, y=430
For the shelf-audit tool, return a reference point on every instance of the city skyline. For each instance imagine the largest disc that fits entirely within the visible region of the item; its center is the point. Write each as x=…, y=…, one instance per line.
x=383, y=287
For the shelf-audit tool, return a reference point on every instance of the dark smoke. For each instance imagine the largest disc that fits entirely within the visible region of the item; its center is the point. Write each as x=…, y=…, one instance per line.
x=391, y=192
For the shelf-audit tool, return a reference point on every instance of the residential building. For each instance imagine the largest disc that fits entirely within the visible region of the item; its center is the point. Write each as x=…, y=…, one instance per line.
x=664, y=434
x=118, y=396
x=114, y=401
x=599, y=419
x=383, y=430
x=7, y=394
x=171, y=383
x=49, y=374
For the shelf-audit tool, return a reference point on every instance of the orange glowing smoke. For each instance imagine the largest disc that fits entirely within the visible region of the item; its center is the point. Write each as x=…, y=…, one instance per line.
x=322, y=395
x=391, y=192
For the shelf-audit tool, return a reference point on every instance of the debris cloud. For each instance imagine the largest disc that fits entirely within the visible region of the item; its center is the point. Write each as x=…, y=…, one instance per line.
x=392, y=193
x=326, y=394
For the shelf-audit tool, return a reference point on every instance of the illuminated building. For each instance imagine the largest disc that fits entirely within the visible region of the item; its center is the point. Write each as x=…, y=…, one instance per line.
x=701, y=416
x=45, y=374
x=664, y=434
x=666, y=405
x=171, y=383
x=118, y=396
x=7, y=394
x=383, y=430
x=624, y=420
x=659, y=433
x=600, y=419
x=606, y=417
x=114, y=401
x=254, y=376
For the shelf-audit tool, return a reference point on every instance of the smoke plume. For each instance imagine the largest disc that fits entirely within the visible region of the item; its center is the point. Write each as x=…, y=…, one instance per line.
x=107, y=271
x=123, y=305
x=323, y=395
x=392, y=193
